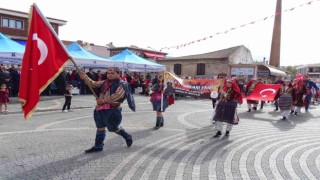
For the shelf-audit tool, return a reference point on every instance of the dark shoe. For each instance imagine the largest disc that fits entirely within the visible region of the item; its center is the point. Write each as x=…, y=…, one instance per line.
x=227, y=133
x=158, y=123
x=295, y=113
x=284, y=118
x=254, y=108
x=161, y=122
x=276, y=109
x=129, y=142
x=126, y=136
x=217, y=135
x=93, y=149
x=249, y=110
x=292, y=111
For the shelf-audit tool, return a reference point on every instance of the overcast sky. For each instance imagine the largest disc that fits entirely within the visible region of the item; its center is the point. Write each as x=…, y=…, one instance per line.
x=167, y=23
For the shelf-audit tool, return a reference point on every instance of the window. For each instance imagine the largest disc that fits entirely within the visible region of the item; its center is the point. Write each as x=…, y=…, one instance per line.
x=201, y=69
x=5, y=22
x=177, y=69
x=310, y=69
x=19, y=25
x=12, y=23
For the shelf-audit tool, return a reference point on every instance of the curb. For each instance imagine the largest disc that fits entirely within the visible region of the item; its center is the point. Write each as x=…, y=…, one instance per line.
x=46, y=110
x=15, y=100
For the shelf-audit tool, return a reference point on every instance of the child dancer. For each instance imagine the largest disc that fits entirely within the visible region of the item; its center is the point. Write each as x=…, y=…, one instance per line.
x=4, y=98
x=68, y=97
x=226, y=110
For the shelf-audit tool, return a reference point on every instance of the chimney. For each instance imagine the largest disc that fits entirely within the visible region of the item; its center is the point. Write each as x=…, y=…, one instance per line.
x=276, y=37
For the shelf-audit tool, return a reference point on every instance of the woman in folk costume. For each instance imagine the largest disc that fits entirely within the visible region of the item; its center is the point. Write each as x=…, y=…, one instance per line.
x=226, y=110
x=297, y=96
x=285, y=99
x=215, y=96
x=249, y=89
x=159, y=106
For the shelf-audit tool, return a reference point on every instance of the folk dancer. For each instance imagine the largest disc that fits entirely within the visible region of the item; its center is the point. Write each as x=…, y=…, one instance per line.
x=298, y=96
x=226, y=110
x=160, y=101
x=278, y=81
x=308, y=95
x=215, y=96
x=249, y=89
x=285, y=99
x=108, y=111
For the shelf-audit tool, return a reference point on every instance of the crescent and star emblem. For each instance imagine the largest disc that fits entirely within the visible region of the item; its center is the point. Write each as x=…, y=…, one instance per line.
x=42, y=47
x=272, y=90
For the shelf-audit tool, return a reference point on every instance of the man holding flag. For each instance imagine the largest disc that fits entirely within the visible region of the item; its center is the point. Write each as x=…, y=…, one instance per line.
x=43, y=60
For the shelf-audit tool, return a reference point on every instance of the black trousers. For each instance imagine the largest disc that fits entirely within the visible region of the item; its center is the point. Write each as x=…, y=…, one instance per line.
x=67, y=103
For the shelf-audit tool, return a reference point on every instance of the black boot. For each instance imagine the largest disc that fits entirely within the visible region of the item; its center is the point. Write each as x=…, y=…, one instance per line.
x=157, y=123
x=218, y=134
x=292, y=111
x=249, y=110
x=98, y=146
x=284, y=118
x=254, y=108
x=126, y=136
x=161, y=122
x=227, y=133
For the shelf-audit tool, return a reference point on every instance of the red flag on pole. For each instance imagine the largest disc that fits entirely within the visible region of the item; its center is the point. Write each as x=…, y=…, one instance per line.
x=43, y=60
x=264, y=92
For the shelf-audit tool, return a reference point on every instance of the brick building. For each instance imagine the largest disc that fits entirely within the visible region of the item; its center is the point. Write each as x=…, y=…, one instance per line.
x=14, y=24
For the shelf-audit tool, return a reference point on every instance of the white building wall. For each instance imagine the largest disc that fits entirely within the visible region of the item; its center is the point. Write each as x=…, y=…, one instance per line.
x=241, y=56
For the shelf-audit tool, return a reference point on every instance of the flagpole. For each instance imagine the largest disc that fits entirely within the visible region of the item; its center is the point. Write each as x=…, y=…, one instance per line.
x=85, y=80
x=162, y=92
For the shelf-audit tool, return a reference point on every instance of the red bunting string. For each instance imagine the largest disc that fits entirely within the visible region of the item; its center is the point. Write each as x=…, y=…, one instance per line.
x=234, y=28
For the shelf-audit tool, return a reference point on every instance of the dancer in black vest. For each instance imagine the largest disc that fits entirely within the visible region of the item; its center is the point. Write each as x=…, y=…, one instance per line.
x=108, y=111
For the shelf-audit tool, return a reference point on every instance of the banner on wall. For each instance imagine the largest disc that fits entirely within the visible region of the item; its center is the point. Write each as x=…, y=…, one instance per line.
x=202, y=88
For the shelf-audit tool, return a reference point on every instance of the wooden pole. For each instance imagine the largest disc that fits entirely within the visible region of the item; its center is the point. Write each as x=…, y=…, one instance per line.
x=162, y=91
x=85, y=80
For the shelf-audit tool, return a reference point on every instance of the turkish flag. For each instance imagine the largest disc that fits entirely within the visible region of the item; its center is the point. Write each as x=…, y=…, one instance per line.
x=43, y=60
x=264, y=92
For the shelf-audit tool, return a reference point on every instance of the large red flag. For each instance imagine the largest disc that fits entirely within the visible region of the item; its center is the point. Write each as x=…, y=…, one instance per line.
x=43, y=60
x=264, y=92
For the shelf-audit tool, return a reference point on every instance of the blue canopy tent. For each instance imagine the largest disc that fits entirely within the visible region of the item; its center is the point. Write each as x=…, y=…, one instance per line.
x=131, y=62
x=11, y=52
x=83, y=58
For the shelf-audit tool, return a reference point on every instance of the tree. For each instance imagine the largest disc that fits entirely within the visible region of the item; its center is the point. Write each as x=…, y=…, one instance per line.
x=292, y=71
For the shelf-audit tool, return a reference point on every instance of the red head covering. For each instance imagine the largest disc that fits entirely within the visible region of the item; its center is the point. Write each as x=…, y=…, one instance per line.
x=235, y=79
x=235, y=87
x=299, y=83
x=249, y=83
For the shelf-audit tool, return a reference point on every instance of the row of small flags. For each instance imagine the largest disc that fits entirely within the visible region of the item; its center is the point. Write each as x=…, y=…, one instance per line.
x=234, y=28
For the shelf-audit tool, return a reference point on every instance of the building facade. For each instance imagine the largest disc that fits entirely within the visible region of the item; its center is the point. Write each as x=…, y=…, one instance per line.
x=313, y=70
x=208, y=64
x=151, y=55
x=255, y=70
x=14, y=24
